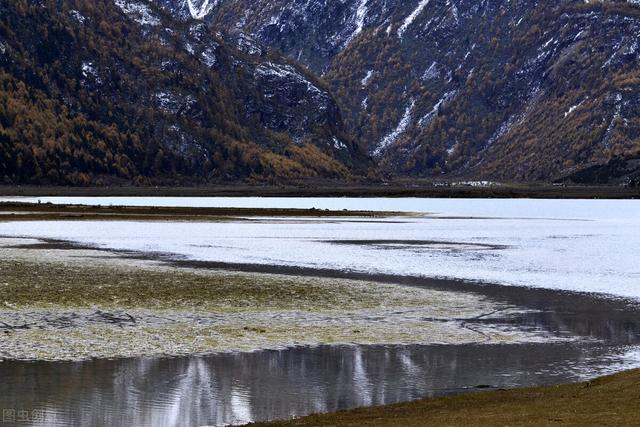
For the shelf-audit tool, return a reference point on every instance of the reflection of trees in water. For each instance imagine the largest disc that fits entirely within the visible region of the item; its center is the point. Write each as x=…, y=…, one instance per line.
x=279, y=384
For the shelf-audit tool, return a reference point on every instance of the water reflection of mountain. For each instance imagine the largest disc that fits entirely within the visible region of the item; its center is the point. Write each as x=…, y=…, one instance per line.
x=233, y=388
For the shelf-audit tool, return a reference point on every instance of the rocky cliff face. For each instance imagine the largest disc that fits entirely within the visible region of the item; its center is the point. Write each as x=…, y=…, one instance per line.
x=524, y=89
x=120, y=87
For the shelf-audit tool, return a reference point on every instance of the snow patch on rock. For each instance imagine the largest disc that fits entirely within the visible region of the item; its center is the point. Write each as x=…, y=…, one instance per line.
x=89, y=71
x=208, y=57
x=402, y=127
x=412, y=17
x=77, y=16
x=432, y=72
x=285, y=72
x=202, y=10
x=139, y=12
x=361, y=14
x=428, y=118
x=572, y=109
x=174, y=103
x=339, y=145
x=367, y=78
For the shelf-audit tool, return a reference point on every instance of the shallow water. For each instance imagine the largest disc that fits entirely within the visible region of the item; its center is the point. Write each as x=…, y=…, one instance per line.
x=538, y=208
x=240, y=388
x=576, y=245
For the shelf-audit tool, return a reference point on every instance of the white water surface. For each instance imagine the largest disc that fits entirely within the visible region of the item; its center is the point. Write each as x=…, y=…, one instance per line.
x=576, y=245
x=539, y=208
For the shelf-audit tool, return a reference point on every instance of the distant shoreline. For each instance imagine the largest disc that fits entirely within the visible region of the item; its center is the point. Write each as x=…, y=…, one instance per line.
x=336, y=189
x=50, y=212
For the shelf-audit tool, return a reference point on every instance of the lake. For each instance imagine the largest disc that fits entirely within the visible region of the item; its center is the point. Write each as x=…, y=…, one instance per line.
x=240, y=388
x=575, y=263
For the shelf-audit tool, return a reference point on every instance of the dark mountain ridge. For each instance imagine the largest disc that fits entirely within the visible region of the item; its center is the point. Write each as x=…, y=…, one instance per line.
x=95, y=90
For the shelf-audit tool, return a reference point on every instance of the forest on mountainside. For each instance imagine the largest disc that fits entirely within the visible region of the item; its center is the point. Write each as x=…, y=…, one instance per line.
x=517, y=90
x=137, y=91
x=92, y=95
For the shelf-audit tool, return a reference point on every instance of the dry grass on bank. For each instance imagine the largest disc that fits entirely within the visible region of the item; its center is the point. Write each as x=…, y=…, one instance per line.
x=608, y=401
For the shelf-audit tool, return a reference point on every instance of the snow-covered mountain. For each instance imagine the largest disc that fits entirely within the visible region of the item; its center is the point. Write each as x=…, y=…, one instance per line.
x=493, y=89
x=513, y=89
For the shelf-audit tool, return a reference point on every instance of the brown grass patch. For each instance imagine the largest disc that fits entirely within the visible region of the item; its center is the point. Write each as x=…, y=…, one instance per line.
x=606, y=401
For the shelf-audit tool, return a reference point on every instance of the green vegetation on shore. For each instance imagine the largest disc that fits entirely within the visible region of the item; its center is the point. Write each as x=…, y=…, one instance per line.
x=610, y=400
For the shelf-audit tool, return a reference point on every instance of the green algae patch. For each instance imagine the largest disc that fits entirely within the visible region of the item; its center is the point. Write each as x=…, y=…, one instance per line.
x=26, y=285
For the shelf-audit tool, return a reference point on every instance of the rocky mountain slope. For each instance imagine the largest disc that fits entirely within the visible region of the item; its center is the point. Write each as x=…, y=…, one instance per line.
x=618, y=171
x=177, y=90
x=513, y=90
x=92, y=90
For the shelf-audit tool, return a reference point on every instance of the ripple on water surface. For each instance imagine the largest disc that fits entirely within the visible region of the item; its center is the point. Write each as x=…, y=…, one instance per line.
x=239, y=388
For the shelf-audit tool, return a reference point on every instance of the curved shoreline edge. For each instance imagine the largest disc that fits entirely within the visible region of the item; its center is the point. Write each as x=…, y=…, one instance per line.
x=610, y=400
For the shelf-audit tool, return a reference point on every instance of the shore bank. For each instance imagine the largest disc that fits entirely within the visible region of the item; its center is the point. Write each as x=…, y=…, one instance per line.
x=50, y=212
x=413, y=188
x=610, y=400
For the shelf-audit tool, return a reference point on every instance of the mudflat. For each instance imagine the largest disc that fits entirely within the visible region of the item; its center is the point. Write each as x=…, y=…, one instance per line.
x=62, y=302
